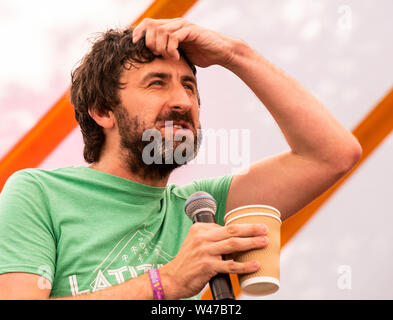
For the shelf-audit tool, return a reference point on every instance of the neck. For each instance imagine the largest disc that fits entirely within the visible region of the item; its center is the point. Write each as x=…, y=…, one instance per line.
x=123, y=172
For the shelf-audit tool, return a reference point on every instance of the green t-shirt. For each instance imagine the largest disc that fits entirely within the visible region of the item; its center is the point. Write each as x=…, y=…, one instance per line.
x=85, y=230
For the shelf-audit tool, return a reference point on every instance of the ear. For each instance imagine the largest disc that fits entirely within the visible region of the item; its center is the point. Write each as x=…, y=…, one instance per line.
x=107, y=121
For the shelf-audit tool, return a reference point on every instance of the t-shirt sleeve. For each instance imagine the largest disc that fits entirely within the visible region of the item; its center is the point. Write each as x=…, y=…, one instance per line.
x=218, y=187
x=26, y=231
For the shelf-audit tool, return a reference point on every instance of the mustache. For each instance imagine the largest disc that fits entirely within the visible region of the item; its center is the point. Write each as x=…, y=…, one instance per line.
x=177, y=116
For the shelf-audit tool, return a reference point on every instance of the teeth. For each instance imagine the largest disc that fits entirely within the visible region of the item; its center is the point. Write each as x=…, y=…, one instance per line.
x=177, y=126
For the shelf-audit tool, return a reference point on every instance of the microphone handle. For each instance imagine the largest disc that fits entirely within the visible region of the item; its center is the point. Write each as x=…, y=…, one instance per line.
x=205, y=216
x=220, y=284
x=221, y=287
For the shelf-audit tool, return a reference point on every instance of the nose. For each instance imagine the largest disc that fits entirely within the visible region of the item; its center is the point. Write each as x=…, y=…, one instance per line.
x=179, y=99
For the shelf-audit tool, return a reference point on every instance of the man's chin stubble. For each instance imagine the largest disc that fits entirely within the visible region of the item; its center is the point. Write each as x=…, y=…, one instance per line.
x=153, y=171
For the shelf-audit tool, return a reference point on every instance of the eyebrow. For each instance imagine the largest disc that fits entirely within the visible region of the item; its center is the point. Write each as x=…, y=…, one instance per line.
x=166, y=76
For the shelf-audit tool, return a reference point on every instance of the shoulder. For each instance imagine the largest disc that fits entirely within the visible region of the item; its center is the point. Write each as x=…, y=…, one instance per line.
x=36, y=173
x=20, y=180
x=33, y=181
x=217, y=187
x=211, y=185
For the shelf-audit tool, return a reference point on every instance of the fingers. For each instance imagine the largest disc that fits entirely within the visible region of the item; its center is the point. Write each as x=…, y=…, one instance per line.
x=244, y=230
x=162, y=36
x=237, y=245
x=214, y=266
x=167, y=25
x=231, y=266
x=161, y=43
x=172, y=45
x=238, y=230
x=207, y=242
x=218, y=240
x=157, y=42
x=150, y=40
x=240, y=237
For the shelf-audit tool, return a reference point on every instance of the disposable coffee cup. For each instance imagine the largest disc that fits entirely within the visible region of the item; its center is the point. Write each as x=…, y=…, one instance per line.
x=266, y=280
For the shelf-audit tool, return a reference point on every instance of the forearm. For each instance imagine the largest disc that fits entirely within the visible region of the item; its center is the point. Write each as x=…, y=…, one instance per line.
x=309, y=128
x=138, y=288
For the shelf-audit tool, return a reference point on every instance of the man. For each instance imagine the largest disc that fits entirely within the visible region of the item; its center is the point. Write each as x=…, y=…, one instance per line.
x=95, y=232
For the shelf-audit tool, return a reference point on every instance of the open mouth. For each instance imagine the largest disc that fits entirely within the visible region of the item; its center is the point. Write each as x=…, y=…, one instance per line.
x=177, y=125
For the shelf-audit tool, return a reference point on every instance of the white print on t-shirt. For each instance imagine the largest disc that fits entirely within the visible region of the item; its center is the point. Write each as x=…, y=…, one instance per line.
x=132, y=246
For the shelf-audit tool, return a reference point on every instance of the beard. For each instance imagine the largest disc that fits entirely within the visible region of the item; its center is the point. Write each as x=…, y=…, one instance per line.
x=147, y=153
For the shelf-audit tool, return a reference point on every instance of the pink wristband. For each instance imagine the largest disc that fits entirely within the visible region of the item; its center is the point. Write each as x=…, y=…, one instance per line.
x=156, y=284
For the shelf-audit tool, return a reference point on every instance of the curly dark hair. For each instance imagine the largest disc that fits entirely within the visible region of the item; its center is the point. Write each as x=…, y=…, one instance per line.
x=96, y=81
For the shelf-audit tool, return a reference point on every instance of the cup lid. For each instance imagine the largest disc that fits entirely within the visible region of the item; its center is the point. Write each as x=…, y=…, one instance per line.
x=253, y=206
x=252, y=214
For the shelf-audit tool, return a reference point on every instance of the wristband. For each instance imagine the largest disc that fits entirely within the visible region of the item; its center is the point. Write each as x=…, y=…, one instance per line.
x=156, y=284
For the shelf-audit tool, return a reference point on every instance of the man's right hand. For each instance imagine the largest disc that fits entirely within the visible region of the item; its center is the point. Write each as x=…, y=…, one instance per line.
x=200, y=257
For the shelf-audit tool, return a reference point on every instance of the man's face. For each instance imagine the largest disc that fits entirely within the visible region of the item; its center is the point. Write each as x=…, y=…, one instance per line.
x=159, y=96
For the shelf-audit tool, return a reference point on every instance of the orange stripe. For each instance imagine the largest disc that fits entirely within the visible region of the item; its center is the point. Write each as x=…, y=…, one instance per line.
x=40, y=141
x=166, y=9
x=59, y=121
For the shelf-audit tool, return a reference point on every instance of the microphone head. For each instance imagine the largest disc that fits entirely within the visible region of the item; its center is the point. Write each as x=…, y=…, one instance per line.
x=199, y=200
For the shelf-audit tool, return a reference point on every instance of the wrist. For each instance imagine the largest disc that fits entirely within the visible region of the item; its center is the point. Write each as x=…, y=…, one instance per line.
x=156, y=284
x=169, y=284
x=240, y=54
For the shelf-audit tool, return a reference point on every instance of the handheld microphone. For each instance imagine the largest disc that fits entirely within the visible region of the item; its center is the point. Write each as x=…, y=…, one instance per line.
x=201, y=207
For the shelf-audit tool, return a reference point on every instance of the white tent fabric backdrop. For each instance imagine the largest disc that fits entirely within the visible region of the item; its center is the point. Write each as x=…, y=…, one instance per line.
x=341, y=51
